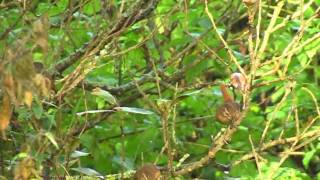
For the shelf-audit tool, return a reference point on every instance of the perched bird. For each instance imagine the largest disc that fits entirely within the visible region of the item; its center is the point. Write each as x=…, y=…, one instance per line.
x=229, y=112
x=239, y=81
x=148, y=172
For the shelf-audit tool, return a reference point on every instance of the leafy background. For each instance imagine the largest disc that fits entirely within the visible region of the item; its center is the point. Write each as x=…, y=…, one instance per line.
x=148, y=71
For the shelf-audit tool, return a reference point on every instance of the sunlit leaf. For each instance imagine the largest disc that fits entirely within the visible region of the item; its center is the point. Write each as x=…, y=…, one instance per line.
x=105, y=94
x=5, y=113
x=28, y=98
x=50, y=136
x=77, y=154
x=100, y=102
x=192, y=93
x=307, y=158
x=43, y=83
x=93, y=112
x=133, y=110
x=20, y=156
x=87, y=171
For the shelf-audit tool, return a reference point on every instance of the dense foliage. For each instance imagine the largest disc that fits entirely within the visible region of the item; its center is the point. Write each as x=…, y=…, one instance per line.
x=99, y=88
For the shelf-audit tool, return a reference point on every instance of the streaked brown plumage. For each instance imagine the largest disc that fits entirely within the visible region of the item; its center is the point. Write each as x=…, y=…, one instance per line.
x=148, y=172
x=239, y=81
x=229, y=111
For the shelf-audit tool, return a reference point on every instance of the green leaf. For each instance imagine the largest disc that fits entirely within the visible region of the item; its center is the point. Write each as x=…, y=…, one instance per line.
x=105, y=94
x=127, y=163
x=281, y=173
x=77, y=154
x=100, y=102
x=307, y=158
x=93, y=112
x=20, y=156
x=37, y=109
x=278, y=94
x=92, y=7
x=192, y=93
x=50, y=136
x=133, y=110
x=87, y=171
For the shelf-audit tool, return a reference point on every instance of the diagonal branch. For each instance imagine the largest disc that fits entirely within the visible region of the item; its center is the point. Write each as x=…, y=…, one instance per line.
x=139, y=11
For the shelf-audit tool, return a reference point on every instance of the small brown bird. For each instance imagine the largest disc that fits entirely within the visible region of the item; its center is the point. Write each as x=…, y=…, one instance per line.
x=148, y=172
x=229, y=112
x=239, y=81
